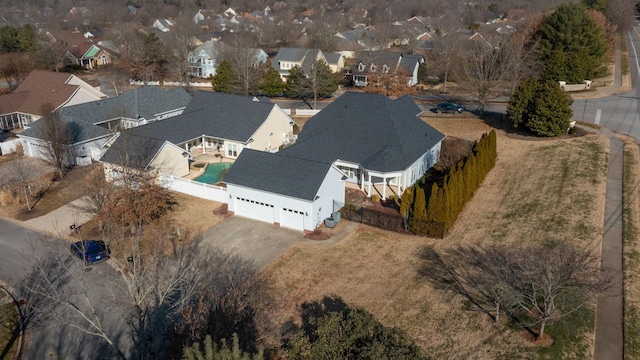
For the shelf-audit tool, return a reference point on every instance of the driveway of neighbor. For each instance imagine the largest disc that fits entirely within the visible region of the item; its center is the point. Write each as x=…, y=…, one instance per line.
x=256, y=241
x=60, y=220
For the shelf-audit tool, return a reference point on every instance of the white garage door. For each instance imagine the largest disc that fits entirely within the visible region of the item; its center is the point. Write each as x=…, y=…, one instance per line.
x=254, y=209
x=292, y=219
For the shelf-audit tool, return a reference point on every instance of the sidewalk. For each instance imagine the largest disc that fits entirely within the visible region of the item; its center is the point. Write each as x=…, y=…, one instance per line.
x=609, y=337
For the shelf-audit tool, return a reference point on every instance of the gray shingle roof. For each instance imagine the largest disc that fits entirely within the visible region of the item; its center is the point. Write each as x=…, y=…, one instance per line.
x=367, y=129
x=225, y=116
x=80, y=131
x=132, y=150
x=394, y=60
x=146, y=101
x=306, y=56
x=277, y=173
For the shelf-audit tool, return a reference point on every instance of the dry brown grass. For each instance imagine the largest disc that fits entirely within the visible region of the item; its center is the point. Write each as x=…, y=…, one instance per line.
x=631, y=249
x=539, y=191
x=55, y=194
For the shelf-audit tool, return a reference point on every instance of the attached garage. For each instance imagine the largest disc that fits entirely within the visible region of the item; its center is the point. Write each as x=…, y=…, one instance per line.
x=254, y=209
x=293, y=219
x=288, y=192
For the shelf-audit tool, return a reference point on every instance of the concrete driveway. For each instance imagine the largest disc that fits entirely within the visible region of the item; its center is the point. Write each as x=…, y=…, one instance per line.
x=253, y=240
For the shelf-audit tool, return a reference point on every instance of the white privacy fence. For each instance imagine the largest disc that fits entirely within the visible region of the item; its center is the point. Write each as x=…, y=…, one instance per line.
x=194, y=188
x=9, y=146
x=170, y=83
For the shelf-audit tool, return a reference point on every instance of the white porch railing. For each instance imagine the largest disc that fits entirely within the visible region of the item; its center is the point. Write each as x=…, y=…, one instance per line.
x=194, y=188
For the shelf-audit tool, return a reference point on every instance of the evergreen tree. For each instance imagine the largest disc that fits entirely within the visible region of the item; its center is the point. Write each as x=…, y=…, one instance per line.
x=541, y=107
x=418, y=221
x=570, y=29
x=272, y=84
x=350, y=334
x=406, y=203
x=212, y=352
x=27, y=38
x=599, y=5
x=297, y=85
x=224, y=78
x=9, y=39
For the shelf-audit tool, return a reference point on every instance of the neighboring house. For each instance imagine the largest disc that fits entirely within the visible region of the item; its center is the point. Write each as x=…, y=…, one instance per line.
x=364, y=141
x=385, y=62
x=26, y=104
x=83, y=51
x=164, y=25
x=78, y=15
x=94, y=124
x=138, y=106
x=132, y=152
x=288, y=58
x=86, y=141
x=220, y=124
x=205, y=59
x=286, y=191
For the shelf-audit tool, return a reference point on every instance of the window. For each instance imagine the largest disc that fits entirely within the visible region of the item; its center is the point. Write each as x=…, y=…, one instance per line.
x=372, y=68
x=385, y=68
x=104, y=60
x=232, y=150
x=361, y=67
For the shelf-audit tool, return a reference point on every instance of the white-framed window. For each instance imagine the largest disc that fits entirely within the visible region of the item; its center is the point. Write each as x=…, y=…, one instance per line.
x=104, y=60
x=361, y=67
x=232, y=150
x=373, y=68
x=385, y=68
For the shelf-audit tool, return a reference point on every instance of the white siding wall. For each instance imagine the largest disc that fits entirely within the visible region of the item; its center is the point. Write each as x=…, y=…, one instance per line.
x=330, y=194
x=421, y=165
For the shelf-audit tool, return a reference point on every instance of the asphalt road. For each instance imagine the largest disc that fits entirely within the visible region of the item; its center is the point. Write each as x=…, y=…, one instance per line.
x=620, y=113
x=17, y=248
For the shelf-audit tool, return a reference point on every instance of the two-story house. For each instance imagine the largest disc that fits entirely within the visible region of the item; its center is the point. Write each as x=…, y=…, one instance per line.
x=385, y=62
x=288, y=58
x=205, y=59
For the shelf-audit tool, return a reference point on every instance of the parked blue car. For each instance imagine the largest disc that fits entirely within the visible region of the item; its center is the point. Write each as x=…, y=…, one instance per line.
x=450, y=108
x=90, y=251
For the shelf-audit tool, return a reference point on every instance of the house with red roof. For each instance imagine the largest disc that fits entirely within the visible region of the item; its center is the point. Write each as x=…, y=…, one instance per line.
x=43, y=89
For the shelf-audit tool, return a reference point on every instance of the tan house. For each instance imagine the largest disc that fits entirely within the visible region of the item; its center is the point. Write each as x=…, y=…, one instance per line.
x=43, y=89
x=214, y=123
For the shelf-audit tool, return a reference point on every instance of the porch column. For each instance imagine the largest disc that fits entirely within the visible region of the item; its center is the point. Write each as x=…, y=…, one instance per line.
x=369, y=186
x=362, y=181
x=204, y=148
x=399, y=180
x=384, y=187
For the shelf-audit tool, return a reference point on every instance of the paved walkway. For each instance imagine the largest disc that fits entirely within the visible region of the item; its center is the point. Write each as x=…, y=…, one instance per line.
x=609, y=339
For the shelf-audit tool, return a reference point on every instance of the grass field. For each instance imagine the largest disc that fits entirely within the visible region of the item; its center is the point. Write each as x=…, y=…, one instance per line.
x=539, y=191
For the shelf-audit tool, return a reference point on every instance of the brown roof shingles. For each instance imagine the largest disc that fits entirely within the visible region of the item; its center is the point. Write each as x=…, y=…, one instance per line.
x=38, y=89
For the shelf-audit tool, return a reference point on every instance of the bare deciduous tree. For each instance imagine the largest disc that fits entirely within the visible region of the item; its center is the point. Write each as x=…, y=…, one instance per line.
x=22, y=170
x=181, y=40
x=243, y=58
x=533, y=284
x=57, y=136
x=482, y=68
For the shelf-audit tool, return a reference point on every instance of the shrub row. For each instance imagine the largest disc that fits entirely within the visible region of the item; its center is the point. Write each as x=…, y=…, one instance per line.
x=432, y=213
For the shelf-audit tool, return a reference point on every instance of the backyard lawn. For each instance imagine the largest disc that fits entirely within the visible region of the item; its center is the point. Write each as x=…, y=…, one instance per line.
x=540, y=191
